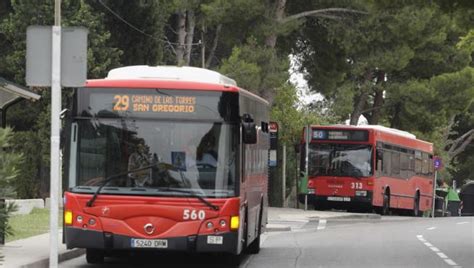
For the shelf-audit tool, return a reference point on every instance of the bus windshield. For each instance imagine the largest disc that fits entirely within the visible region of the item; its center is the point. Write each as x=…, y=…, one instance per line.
x=190, y=155
x=350, y=160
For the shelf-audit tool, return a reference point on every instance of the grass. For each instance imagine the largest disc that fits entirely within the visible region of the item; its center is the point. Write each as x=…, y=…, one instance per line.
x=35, y=223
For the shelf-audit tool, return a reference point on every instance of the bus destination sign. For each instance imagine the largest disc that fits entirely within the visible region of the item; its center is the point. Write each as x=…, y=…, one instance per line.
x=154, y=103
x=158, y=103
x=347, y=135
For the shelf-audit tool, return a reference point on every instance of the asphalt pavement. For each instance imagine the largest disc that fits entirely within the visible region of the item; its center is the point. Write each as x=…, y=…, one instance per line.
x=33, y=252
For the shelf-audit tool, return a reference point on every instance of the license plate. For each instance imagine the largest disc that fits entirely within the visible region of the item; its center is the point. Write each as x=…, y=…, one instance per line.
x=339, y=198
x=149, y=243
x=216, y=240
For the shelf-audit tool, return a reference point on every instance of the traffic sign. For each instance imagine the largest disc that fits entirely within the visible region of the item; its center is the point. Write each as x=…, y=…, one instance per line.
x=437, y=162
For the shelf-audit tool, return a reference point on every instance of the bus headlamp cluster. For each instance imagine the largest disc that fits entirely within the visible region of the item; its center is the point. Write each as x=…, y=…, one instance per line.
x=311, y=191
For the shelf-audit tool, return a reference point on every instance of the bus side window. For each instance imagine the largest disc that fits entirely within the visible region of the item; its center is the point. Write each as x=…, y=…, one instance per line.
x=395, y=163
x=379, y=162
x=418, y=162
x=387, y=163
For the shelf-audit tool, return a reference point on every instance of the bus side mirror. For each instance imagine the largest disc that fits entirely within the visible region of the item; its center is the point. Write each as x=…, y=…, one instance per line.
x=249, y=130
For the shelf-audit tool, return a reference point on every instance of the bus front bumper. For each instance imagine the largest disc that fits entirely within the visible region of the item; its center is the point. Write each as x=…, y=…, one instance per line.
x=338, y=201
x=80, y=238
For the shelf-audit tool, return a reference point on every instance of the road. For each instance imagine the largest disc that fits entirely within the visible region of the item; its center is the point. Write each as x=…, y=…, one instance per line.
x=386, y=242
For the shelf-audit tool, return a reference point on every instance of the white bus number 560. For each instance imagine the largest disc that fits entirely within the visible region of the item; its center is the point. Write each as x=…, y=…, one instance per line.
x=192, y=214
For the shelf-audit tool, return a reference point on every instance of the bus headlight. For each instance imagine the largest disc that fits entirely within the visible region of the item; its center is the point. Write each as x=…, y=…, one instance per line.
x=68, y=217
x=361, y=193
x=234, y=222
x=311, y=191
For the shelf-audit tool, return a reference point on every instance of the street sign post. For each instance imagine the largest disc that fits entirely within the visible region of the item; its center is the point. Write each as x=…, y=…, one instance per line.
x=437, y=163
x=45, y=66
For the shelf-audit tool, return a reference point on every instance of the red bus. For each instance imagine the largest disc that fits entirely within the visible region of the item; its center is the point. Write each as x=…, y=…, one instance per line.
x=165, y=158
x=364, y=167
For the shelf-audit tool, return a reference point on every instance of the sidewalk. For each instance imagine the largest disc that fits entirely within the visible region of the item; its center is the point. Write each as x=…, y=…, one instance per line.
x=278, y=215
x=33, y=252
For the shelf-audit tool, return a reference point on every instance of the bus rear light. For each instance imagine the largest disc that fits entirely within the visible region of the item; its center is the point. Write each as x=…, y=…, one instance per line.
x=68, y=217
x=234, y=222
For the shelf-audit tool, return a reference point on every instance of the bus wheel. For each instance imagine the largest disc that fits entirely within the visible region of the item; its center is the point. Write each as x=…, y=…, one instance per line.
x=254, y=247
x=233, y=260
x=94, y=256
x=386, y=204
x=416, y=206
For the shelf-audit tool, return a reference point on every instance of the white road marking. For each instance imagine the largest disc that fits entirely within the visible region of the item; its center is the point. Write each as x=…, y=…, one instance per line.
x=442, y=255
x=450, y=262
x=463, y=222
x=431, y=228
x=322, y=224
x=438, y=252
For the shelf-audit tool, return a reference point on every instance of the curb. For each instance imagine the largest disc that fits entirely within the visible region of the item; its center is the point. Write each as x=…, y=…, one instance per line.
x=277, y=228
x=63, y=256
x=357, y=216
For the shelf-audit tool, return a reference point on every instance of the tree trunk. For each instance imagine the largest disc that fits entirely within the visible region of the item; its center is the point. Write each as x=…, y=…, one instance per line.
x=376, y=108
x=214, y=46
x=358, y=107
x=181, y=37
x=271, y=39
x=190, y=25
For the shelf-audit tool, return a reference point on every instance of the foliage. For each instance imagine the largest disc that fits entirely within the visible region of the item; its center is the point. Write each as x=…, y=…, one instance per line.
x=34, y=120
x=9, y=167
x=256, y=68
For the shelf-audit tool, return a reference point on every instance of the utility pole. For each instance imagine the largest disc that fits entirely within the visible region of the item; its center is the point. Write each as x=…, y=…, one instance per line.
x=55, y=137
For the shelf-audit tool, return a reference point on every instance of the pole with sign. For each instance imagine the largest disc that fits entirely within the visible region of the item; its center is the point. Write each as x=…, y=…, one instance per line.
x=437, y=163
x=303, y=187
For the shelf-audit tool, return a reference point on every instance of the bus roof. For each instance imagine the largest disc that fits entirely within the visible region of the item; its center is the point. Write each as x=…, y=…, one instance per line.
x=173, y=73
x=169, y=77
x=386, y=133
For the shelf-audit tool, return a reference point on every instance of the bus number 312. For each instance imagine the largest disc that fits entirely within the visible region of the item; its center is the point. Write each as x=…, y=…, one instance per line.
x=193, y=214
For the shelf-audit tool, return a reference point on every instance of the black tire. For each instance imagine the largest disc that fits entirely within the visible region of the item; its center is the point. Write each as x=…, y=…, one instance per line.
x=95, y=256
x=416, y=207
x=254, y=247
x=233, y=260
x=386, y=204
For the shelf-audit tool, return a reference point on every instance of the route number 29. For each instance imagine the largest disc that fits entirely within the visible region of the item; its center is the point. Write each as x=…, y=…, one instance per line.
x=122, y=102
x=356, y=185
x=192, y=214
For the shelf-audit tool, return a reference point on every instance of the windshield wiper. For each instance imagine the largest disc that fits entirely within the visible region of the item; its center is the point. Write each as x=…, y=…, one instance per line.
x=191, y=193
x=115, y=176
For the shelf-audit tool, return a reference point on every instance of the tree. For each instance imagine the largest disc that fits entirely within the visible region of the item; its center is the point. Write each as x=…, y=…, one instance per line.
x=138, y=29
x=33, y=119
x=9, y=167
x=375, y=52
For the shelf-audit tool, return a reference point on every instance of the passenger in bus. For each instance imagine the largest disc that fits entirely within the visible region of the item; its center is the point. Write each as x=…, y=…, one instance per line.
x=138, y=160
x=206, y=156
